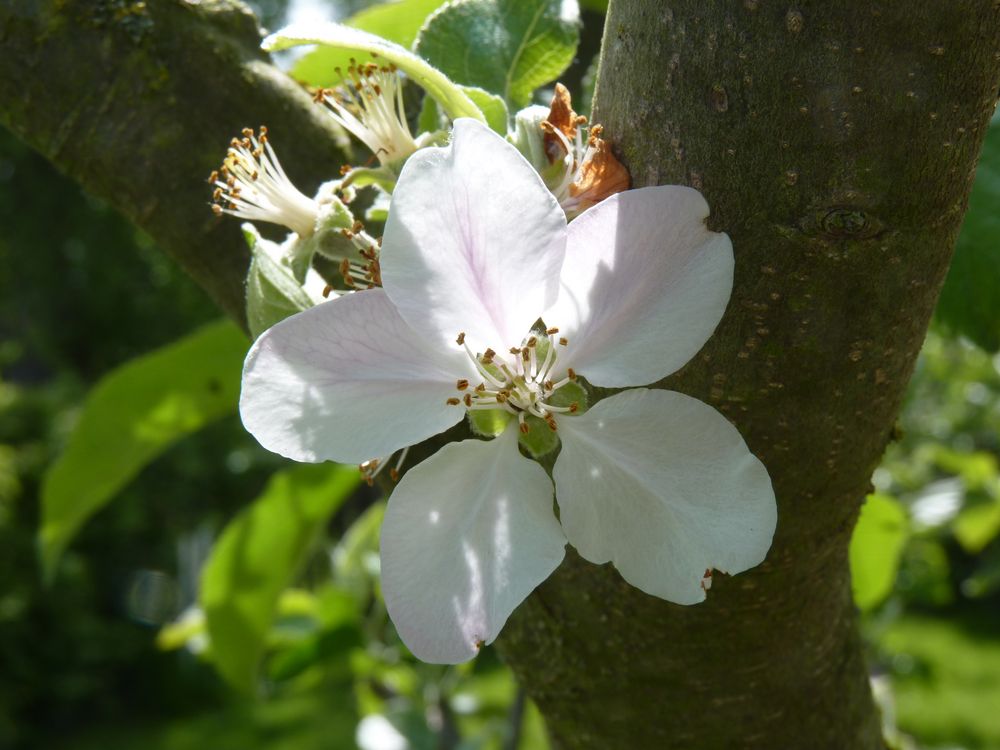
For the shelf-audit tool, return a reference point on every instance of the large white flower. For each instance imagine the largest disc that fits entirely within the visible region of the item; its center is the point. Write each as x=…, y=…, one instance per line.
x=473, y=256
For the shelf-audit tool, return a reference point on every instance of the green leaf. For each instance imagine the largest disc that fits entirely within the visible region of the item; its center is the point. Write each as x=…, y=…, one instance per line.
x=273, y=293
x=492, y=107
x=258, y=555
x=132, y=416
x=429, y=118
x=977, y=526
x=355, y=558
x=451, y=98
x=507, y=47
x=875, y=550
x=396, y=22
x=969, y=302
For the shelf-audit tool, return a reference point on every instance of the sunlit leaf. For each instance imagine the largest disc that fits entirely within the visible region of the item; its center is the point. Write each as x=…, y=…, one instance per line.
x=969, y=302
x=507, y=47
x=452, y=99
x=132, y=416
x=335, y=631
x=396, y=22
x=492, y=107
x=875, y=549
x=978, y=469
x=977, y=525
x=257, y=557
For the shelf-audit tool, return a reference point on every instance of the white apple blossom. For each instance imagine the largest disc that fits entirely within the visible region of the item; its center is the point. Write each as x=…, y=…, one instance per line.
x=477, y=250
x=369, y=105
x=251, y=184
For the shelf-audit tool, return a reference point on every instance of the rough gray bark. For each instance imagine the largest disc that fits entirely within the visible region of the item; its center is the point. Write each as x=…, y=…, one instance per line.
x=138, y=101
x=835, y=142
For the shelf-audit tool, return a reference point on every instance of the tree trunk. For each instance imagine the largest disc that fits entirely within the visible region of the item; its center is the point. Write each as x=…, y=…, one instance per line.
x=835, y=142
x=137, y=101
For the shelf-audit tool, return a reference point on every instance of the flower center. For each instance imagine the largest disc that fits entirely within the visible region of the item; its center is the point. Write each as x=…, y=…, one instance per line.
x=522, y=383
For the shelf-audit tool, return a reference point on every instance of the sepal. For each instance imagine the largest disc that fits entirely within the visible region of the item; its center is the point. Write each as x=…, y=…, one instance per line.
x=273, y=293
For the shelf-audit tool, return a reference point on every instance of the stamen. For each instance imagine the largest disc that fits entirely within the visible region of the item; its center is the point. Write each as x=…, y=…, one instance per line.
x=550, y=358
x=251, y=184
x=369, y=104
x=453, y=402
x=520, y=387
x=371, y=469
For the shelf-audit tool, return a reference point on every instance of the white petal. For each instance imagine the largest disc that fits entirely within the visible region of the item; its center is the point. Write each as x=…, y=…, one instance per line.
x=643, y=286
x=347, y=381
x=664, y=487
x=468, y=534
x=474, y=241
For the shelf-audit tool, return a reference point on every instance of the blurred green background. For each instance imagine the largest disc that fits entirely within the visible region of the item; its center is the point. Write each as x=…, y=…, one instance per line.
x=114, y=653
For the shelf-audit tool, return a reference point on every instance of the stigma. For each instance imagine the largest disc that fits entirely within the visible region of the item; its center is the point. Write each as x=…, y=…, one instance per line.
x=252, y=185
x=523, y=381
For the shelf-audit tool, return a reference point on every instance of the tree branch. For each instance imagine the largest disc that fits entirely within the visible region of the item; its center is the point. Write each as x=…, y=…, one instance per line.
x=137, y=102
x=835, y=142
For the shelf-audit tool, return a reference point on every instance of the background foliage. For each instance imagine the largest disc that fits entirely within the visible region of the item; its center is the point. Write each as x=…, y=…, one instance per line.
x=115, y=651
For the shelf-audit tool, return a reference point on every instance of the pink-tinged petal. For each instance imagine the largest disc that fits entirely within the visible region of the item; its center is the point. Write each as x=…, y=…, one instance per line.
x=348, y=381
x=643, y=287
x=664, y=487
x=467, y=535
x=474, y=241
